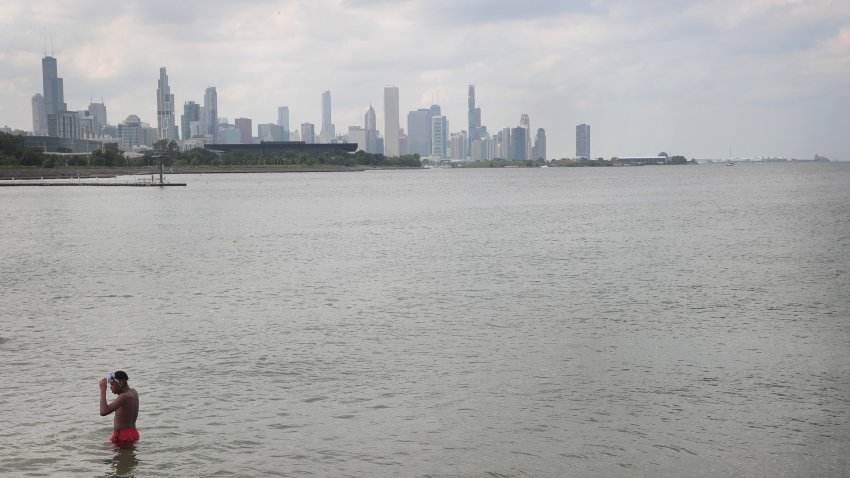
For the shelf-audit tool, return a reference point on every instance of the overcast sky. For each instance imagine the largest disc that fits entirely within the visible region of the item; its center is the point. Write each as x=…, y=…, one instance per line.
x=762, y=77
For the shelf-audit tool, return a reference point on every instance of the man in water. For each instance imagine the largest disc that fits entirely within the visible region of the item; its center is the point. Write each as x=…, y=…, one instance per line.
x=126, y=408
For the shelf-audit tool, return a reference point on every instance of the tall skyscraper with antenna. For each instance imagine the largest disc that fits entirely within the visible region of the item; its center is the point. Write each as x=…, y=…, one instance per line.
x=166, y=127
x=98, y=112
x=54, y=93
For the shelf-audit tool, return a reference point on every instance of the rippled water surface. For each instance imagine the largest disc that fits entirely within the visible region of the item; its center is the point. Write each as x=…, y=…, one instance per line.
x=666, y=321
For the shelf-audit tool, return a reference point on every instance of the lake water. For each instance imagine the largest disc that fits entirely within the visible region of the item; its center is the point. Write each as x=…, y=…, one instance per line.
x=655, y=321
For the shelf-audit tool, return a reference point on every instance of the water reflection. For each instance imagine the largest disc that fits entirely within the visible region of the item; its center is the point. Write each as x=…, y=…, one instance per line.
x=123, y=463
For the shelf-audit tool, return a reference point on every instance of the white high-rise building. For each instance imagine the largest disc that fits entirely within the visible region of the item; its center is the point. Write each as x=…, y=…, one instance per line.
x=439, y=136
x=391, y=124
x=328, y=130
x=39, y=115
x=165, y=125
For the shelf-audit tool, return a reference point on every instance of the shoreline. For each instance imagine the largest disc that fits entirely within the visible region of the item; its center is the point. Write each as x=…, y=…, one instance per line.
x=94, y=173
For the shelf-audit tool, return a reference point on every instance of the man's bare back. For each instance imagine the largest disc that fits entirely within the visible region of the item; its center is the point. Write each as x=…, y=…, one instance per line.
x=125, y=406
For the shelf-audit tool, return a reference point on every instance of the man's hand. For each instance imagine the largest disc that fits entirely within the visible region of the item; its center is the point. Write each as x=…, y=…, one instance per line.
x=103, y=385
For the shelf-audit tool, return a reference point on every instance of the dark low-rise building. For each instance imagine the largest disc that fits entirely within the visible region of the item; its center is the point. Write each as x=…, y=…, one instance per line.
x=283, y=147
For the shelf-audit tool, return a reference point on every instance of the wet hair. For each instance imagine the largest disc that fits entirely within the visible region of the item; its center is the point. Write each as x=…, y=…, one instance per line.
x=121, y=376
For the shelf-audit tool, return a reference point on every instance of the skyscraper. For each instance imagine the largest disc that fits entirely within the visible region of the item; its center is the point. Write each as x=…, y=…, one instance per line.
x=539, y=149
x=308, y=133
x=54, y=93
x=245, y=129
x=519, y=151
x=328, y=131
x=391, y=124
x=39, y=115
x=191, y=114
x=505, y=144
x=419, y=132
x=370, y=126
x=583, y=141
x=474, y=115
x=369, y=121
x=525, y=123
x=98, y=112
x=283, y=120
x=439, y=135
x=165, y=126
x=211, y=112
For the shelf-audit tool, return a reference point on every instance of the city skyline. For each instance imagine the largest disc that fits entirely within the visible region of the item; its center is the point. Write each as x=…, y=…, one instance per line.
x=765, y=78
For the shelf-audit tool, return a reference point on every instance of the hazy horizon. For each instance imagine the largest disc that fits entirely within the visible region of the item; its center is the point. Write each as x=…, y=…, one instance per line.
x=764, y=78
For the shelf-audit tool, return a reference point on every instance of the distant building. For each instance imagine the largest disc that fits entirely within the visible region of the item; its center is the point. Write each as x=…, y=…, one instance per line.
x=474, y=117
x=210, y=111
x=191, y=114
x=244, y=125
x=283, y=119
x=133, y=134
x=402, y=143
x=39, y=115
x=64, y=124
x=583, y=141
x=50, y=144
x=483, y=150
x=539, y=149
x=270, y=132
x=370, y=125
x=458, y=145
x=518, y=144
x=308, y=133
x=439, y=136
x=328, y=131
x=54, y=92
x=369, y=122
x=280, y=147
x=526, y=124
x=98, y=112
x=419, y=132
x=505, y=144
x=357, y=135
x=166, y=128
x=391, y=122
x=87, y=124
x=228, y=134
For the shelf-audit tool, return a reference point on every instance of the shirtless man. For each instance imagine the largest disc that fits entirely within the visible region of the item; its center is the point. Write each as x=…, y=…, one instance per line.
x=126, y=408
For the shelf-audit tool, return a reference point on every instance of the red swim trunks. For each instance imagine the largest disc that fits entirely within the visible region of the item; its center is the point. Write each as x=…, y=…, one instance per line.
x=126, y=436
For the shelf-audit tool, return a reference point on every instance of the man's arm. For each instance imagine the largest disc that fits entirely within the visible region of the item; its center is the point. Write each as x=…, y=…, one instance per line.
x=107, y=408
